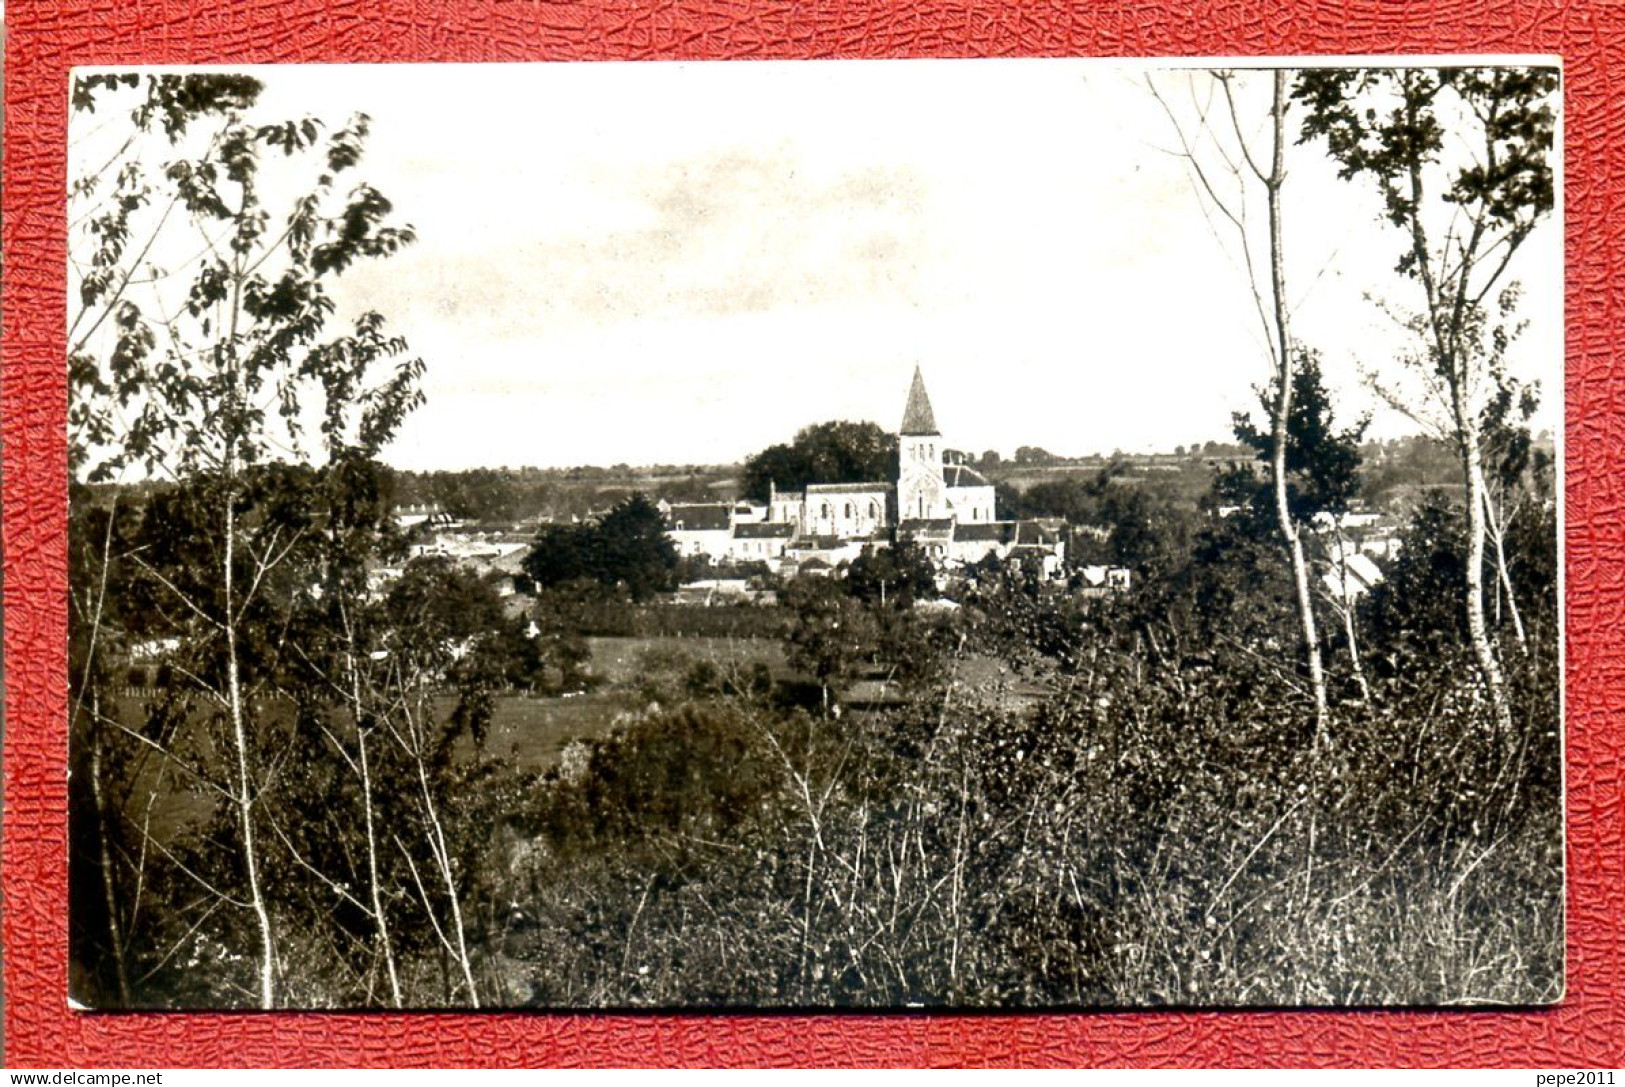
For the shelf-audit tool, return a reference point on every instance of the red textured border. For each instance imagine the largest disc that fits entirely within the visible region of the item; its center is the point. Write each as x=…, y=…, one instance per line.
x=47, y=37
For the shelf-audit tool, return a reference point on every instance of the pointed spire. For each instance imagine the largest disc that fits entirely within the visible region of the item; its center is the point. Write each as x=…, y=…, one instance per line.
x=917, y=417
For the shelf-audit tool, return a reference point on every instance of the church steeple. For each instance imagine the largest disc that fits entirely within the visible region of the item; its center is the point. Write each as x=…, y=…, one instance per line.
x=917, y=416
x=920, y=486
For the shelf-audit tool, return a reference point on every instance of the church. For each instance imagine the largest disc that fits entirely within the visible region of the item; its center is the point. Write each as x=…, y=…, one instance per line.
x=945, y=508
x=927, y=488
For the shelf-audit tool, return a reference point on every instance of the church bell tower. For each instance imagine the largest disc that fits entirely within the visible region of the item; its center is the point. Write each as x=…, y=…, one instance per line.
x=920, y=486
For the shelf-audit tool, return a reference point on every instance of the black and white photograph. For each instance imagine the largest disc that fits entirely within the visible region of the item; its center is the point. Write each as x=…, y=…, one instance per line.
x=1042, y=534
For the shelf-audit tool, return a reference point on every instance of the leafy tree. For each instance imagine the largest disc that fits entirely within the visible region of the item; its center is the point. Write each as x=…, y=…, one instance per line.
x=831, y=633
x=556, y=614
x=446, y=631
x=1149, y=534
x=1461, y=158
x=1144, y=531
x=1322, y=463
x=893, y=576
x=636, y=552
x=1034, y=456
x=627, y=549
x=832, y=452
x=1079, y=501
x=479, y=494
x=561, y=554
x=201, y=349
x=1417, y=611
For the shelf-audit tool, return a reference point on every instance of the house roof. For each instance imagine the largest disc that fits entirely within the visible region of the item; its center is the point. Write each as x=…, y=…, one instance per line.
x=997, y=531
x=939, y=528
x=1363, y=568
x=759, y=531
x=818, y=543
x=706, y=517
x=917, y=416
x=1034, y=533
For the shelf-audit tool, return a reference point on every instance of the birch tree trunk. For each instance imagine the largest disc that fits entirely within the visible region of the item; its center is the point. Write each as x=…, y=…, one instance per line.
x=437, y=848
x=245, y=783
x=1283, y=407
x=1497, y=537
x=382, y=922
x=1477, y=627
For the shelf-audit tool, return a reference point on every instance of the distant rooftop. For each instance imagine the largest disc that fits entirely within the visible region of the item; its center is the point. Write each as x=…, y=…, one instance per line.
x=709, y=517
x=939, y=526
x=781, y=530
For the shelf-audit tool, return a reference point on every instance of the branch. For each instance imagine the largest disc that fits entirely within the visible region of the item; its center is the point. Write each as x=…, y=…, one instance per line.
x=199, y=880
x=332, y=884
x=179, y=595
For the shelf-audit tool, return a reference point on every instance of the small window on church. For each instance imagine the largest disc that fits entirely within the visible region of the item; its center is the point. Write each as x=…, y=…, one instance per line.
x=848, y=514
x=826, y=511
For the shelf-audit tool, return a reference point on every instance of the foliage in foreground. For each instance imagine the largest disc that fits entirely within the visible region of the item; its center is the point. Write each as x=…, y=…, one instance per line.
x=1140, y=839
x=1155, y=830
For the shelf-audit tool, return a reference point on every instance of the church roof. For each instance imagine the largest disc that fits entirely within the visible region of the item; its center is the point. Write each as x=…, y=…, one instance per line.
x=849, y=488
x=957, y=475
x=917, y=417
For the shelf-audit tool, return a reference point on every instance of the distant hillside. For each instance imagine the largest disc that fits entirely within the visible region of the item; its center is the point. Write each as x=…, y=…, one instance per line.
x=1395, y=473
x=507, y=495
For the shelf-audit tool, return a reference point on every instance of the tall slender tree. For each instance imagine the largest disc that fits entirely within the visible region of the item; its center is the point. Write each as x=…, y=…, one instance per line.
x=1461, y=158
x=1234, y=173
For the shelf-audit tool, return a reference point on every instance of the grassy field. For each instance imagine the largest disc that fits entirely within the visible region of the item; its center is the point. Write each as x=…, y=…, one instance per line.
x=623, y=660
x=530, y=734
x=527, y=733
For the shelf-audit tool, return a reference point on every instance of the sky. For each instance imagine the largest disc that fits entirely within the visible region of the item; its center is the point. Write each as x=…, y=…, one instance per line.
x=685, y=262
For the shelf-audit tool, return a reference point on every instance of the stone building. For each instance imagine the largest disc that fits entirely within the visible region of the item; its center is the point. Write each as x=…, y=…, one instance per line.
x=947, y=509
